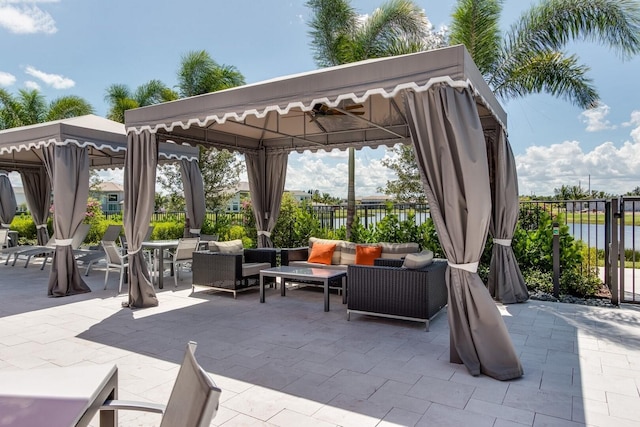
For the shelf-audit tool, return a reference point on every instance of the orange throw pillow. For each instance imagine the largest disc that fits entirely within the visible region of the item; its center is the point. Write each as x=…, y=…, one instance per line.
x=321, y=253
x=366, y=254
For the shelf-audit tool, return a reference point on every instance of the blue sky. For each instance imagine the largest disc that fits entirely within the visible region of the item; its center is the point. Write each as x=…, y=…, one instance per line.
x=79, y=47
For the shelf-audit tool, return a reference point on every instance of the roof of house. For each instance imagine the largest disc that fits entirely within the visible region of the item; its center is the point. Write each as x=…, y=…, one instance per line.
x=110, y=187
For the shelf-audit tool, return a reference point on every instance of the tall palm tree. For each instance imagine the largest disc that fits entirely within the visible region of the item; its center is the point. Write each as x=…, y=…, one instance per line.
x=340, y=35
x=121, y=98
x=30, y=107
x=529, y=58
x=200, y=74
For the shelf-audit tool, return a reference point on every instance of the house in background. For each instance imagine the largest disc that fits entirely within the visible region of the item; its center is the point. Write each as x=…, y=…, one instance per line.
x=241, y=192
x=111, y=196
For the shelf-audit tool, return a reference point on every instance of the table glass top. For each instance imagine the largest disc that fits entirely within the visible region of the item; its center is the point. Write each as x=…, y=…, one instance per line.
x=320, y=273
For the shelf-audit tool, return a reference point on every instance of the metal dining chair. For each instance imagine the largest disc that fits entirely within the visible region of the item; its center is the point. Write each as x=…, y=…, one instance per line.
x=183, y=255
x=115, y=259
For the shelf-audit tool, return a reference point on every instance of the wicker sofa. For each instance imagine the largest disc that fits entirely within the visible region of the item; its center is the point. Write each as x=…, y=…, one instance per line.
x=388, y=290
x=231, y=272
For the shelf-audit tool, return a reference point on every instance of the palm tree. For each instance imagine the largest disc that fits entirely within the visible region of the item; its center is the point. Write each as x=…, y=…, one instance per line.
x=30, y=107
x=121, y=98
x=529, y=58
x=200, y=74
x=339, y=36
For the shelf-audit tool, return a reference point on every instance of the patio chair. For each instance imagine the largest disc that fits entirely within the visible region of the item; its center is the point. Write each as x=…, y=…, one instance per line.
x=48, y=251
x=92, y=256
x=183, y=255
x=193, y=401
x=115, y=259
x=4, y=238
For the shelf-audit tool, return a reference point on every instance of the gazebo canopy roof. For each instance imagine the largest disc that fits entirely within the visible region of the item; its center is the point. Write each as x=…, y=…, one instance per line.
x=105, y=139
x=357, y=104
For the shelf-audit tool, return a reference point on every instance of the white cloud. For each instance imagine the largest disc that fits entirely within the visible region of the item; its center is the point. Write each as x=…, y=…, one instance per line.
x=30, y=84
x=56, y=81
x=328, y=172
x=25, y=18
x=7, y=79
x=595, y=119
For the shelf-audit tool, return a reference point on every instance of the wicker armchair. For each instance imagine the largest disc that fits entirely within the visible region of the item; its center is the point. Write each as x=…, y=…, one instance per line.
x=398, y=293
x=230, y=272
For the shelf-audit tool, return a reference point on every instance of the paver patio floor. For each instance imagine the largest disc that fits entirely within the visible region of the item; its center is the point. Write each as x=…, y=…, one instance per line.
x=288, y=363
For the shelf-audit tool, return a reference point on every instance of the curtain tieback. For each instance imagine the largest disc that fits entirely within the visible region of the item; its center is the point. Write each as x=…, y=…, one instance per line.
x=264, y=233
x=194, y=230
x=64, y=242
x=502, y=242
x=5, y=225
x=134, y=252
x=471, y=267
x=40, y=226
x=3, y=173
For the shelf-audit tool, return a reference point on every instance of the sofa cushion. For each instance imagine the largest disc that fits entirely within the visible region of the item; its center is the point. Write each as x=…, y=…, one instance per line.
x=230, y=247
x=335, y=258
x=417, y=261
x=321, y=253
x=308, y=264
x=347, y=253
x=365, y=254
x=398, y=250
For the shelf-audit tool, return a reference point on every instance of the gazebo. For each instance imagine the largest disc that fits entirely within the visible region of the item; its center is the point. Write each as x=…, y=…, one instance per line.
x=56, y=157
x=435, y=100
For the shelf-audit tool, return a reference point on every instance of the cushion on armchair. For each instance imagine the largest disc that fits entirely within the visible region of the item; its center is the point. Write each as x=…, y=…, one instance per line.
x=230, y=247
x=418, y=261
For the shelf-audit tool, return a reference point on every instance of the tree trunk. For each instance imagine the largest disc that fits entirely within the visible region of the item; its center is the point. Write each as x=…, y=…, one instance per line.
x=351, y=193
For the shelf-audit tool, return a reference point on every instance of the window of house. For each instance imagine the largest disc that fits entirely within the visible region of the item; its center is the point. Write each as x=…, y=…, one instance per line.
x=113, y=197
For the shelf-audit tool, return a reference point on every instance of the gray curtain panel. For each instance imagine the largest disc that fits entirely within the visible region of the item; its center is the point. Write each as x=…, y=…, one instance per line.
x=193, y=194
x=451, y=155
x=8, y=203
x=37, y=191
x=506, y=283
x=140, y=164
x=68, y=167
x=266, y=173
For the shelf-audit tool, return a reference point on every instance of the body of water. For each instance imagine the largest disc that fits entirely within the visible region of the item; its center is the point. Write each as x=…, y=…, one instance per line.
x=593, y=235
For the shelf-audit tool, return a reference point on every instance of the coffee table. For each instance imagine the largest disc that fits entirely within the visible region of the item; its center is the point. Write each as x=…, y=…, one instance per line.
x=321, y=276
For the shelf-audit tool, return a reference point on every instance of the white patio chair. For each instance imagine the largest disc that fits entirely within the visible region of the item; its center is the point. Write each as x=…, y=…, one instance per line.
x=4, y=238
x=115, y=259
x=193, y=401
x=183, y=255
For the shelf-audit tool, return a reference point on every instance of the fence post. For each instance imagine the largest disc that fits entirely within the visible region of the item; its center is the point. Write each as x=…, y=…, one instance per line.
x=556, y=259
x=607, y=244
x=614, y=254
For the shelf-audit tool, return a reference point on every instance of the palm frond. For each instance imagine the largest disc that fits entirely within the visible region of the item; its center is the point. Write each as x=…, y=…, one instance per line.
x=551, y=72
x=332, y=23
x=153, y=92
x=554, y=23
x=33, y=106
x=397, y=24
x=68, y=106
x=195, y=67
x=476, y=25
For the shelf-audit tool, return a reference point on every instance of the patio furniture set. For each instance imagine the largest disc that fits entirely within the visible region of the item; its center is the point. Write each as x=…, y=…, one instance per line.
x=398, y=281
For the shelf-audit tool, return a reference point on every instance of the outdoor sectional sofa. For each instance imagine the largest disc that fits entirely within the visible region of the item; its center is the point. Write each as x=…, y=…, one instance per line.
x=389, y=290
x=344, y=253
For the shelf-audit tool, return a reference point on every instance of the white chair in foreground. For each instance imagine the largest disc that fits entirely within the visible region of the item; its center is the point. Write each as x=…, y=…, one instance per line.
x=115, y=259
x=193, y=401
x=183, y=255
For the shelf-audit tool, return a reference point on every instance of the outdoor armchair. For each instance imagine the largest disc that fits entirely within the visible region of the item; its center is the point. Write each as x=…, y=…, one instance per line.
x=193, y=401
x=397, y=292
x=231, y=272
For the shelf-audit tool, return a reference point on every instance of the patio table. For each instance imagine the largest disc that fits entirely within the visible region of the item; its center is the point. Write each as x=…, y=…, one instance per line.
x=58, y=397
x=159, y=247
x=313, y=275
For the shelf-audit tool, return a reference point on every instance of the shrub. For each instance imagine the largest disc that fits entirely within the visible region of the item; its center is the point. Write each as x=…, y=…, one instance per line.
x=537, y=280
x=25, y=227
x=167, y=230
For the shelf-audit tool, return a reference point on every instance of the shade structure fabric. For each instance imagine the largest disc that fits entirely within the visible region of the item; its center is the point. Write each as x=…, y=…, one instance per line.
x=361, y=104
x=193, y=194
x=139, y=192
x=8, y=203
x=37, y=191
x=104, y=142
x=506, y=283
x=451, y=156
x=266, y=173
x=68, y=168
